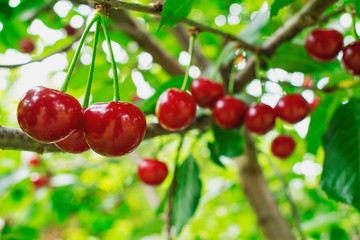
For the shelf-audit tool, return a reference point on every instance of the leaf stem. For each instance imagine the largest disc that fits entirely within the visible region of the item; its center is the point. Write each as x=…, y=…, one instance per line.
x=92, y=66
x=77, y=53
x=191, y=51
x=113, y=64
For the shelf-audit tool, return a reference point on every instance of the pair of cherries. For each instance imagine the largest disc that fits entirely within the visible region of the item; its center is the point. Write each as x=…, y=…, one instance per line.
x=109, y=128
x=325, y=44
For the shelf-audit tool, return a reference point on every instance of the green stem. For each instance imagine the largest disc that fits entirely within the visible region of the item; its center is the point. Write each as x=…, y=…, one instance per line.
x=92, y=66
x=77, y=53
x=232, y=80
x=115, y=78
x=191, y=51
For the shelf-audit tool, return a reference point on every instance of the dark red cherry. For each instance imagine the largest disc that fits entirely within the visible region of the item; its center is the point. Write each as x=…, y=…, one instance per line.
x=48, y=115
x=206, y=92
x=324, y=44
x=27, y=45
x=34, y=160
x=283, y=146
x=229, y=112
x=39, y=180
x=351, y=58
x=70, y=30
x=292, y=108
x=260, y=118
x=75, y=143
x=114, y=128
x=152, y=171
x=175, y=109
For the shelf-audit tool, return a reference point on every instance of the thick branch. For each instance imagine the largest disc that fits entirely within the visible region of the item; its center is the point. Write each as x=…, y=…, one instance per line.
x=15, y=139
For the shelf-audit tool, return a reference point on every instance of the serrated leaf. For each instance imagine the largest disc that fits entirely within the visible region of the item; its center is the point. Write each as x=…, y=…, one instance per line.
x=174, y=11
x=340, y=178
x=277, y=5
x=187, y=193
x=319, y=121
x=357, y=7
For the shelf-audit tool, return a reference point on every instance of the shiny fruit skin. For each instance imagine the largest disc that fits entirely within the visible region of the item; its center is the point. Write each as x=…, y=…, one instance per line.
x=152, y=171
x=283, y=146
x=70, y=30
x=48, y=115
x=206, y=92
x=75, y=143
x=292, y=108
x=229, y=112
x=351, y=58
x=114, y=128
x=27, y=45
x=34, y=161
x=324, y=44
x=260, y=118
x=175, y=109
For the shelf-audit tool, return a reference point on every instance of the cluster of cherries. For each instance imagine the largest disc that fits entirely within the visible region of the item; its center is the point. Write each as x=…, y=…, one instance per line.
x=324, y=45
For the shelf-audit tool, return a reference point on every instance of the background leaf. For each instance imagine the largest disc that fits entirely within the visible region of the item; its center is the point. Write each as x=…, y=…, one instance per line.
x=277, y=5
x=174, y=11
x=357, y=7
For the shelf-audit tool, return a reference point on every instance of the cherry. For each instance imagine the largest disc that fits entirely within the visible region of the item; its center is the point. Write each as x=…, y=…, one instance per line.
x=229, y=112
x=175, y=109
x=152, y=171
x=27, y=45
x=351, y=58
x=114, y=128
x=292, y=108
x=206, y=92
x=324, y=44
x=283, y=146
x=34, y=160
x=260, y=118
x=314, y=104
x=75, y=143
x=48, y=115
x=70, y=30
x=39, y=180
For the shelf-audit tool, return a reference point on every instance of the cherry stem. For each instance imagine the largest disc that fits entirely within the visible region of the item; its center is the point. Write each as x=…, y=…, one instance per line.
x=115, y=78
x=92, y=66
x=191, y=51
x=232, y=80
x=77, y=53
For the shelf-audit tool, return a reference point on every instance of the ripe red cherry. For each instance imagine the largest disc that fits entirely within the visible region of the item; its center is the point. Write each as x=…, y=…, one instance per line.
x=351, y=58
x=39, y=180
x=283, y=146
x=152, y=171
x=206, y=92
x=75, y=143
x=70, y=30
x=114, y=128
x=260, y=118
x=34, y=160
x=27, y=45
x=229, y=112
x=48, y=115
x=324, y=44
x=175, y=109
x=292, y=108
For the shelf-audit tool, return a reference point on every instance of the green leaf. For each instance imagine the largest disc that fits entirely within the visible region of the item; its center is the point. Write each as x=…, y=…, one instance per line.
x=277, y=5
x=187, y=193
x=357, y=7
x=174, y=11
x=340, y=177
x=319, y=121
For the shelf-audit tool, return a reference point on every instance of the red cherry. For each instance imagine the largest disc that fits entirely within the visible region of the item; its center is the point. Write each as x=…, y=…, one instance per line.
x=351, y=58
x=70, y=30
x=152, y=171
x=114, y=128
x=175, y=109
x=75, y=143
x=34, y=160
x=260, y=118
x=48, y=115
x=324, y=44
x=229, y=112
x=292, y=108
x=283, y=146
x=206, y=92
x=314, y=104
x=39, y=180
x=27, y=45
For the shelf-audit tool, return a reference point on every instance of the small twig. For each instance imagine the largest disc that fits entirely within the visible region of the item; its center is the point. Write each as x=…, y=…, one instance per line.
x=326, y=18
